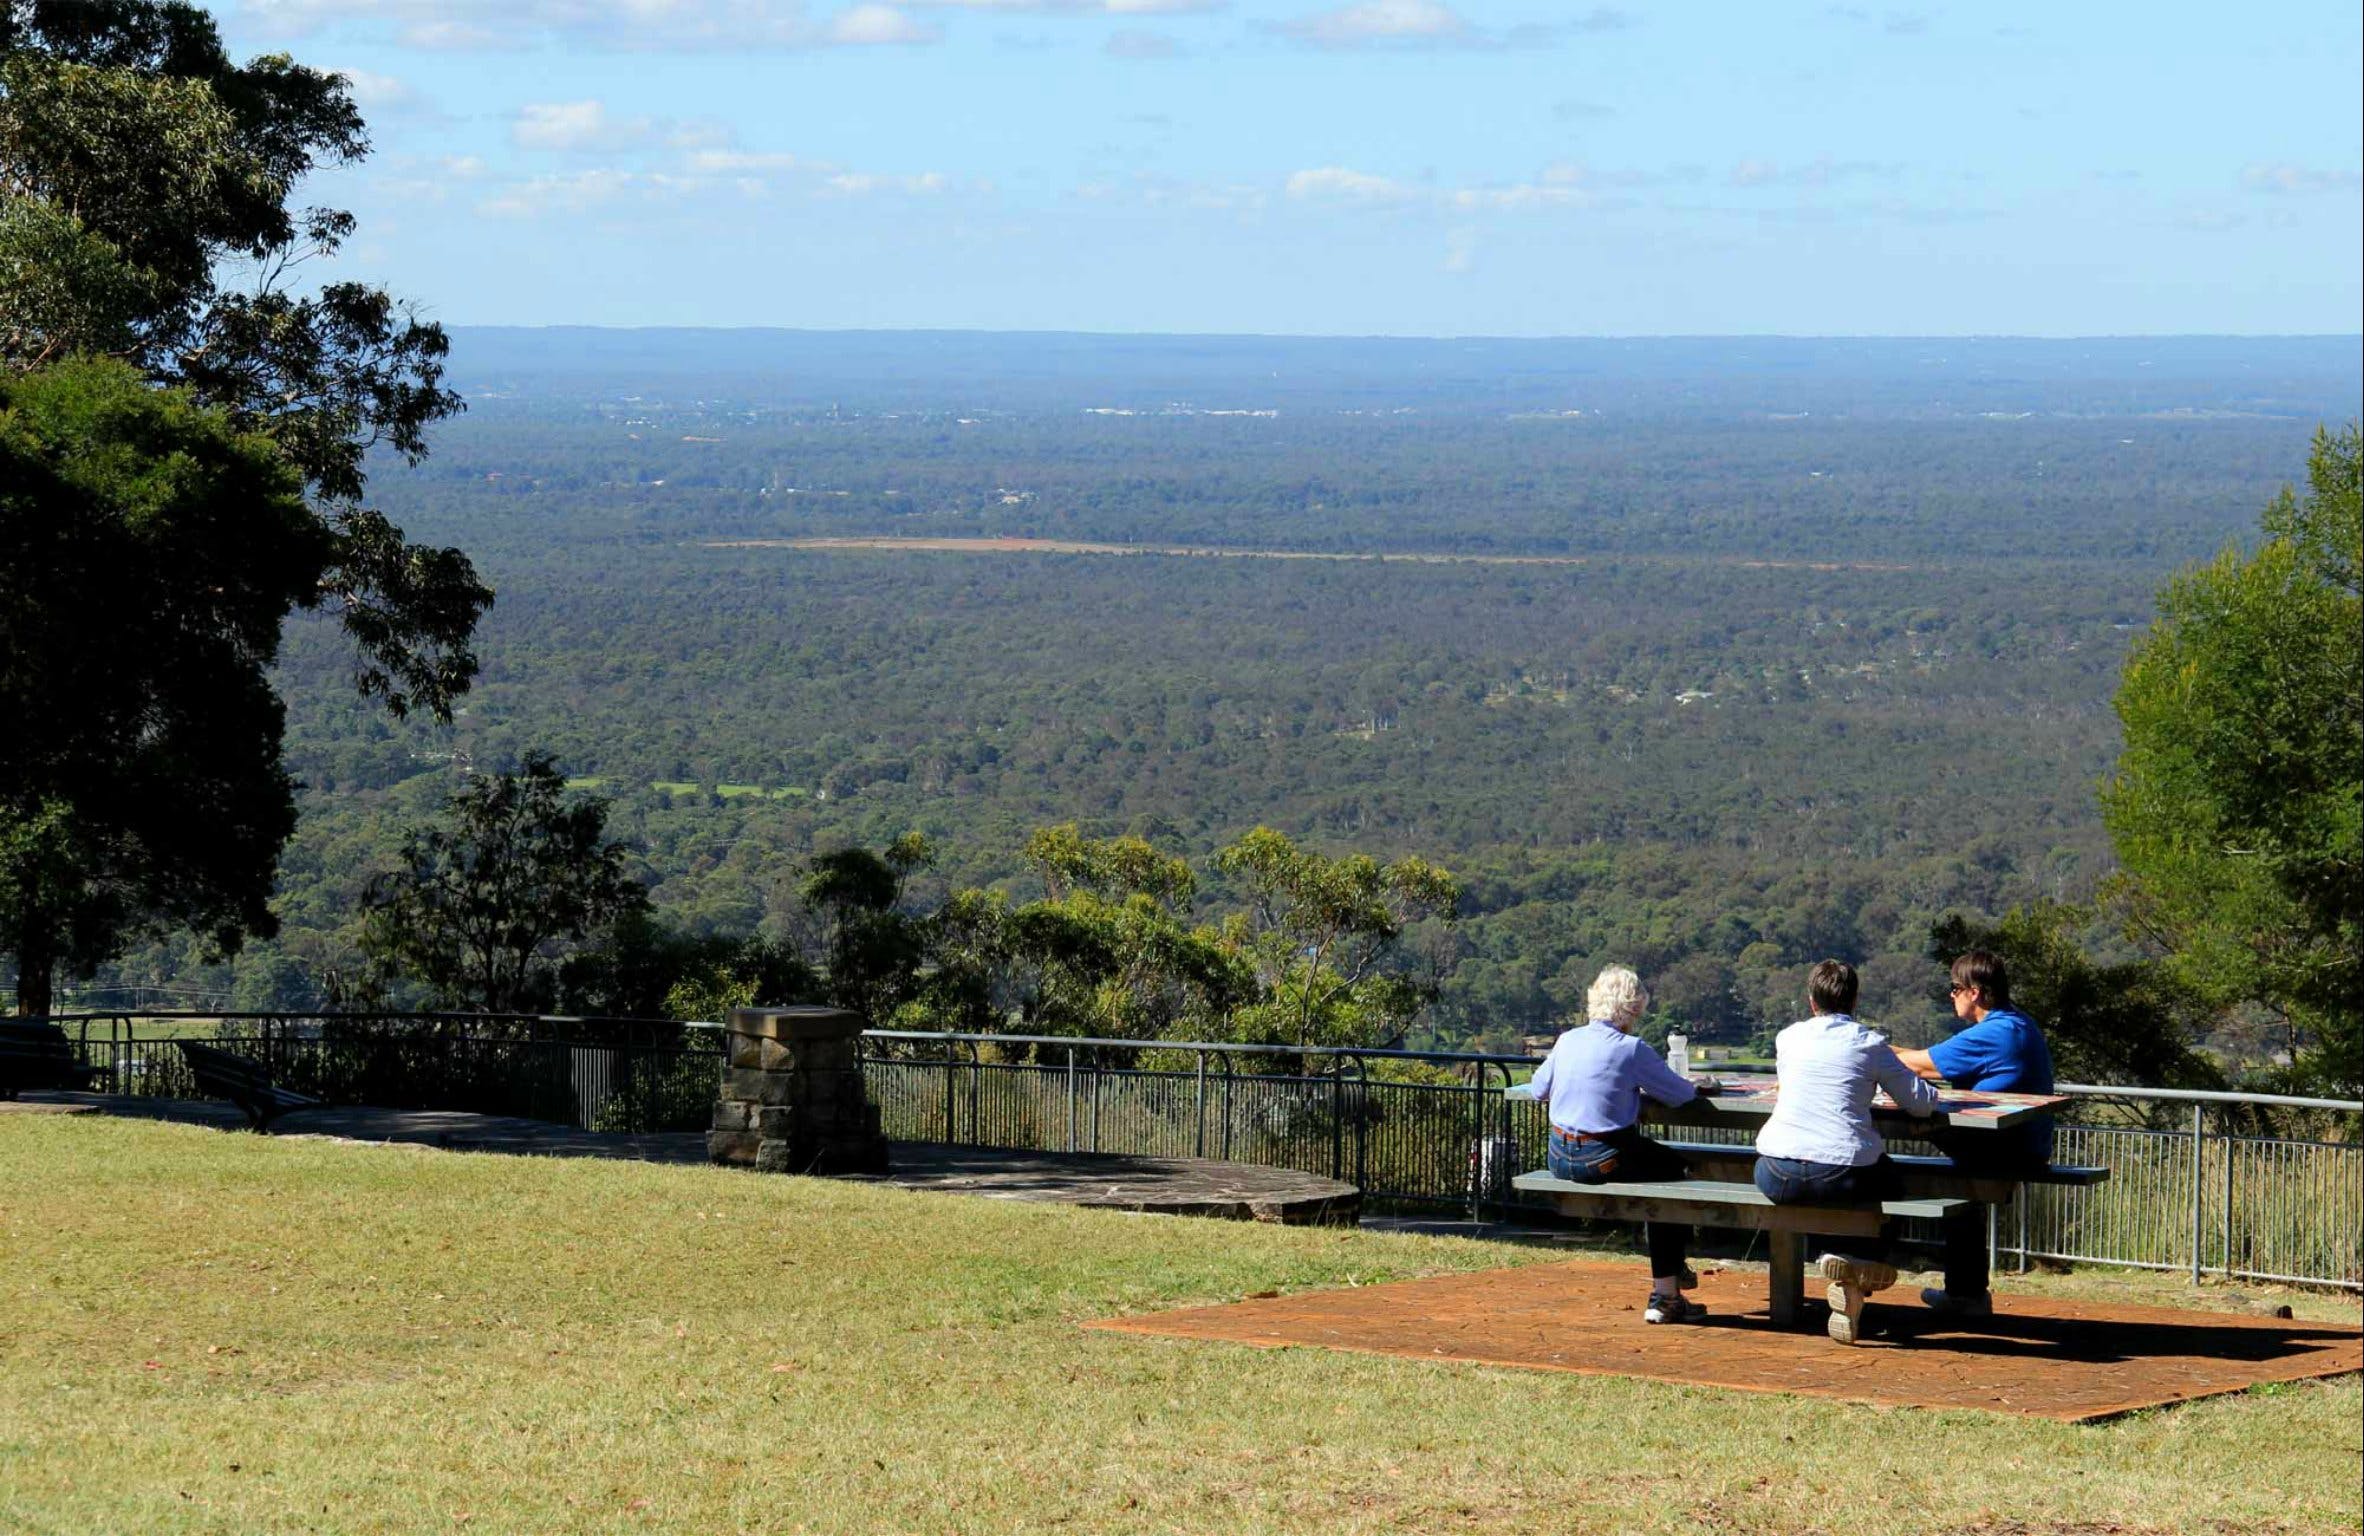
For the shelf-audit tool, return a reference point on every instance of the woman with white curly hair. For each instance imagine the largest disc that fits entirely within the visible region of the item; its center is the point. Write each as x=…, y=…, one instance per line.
x=1593, y=1081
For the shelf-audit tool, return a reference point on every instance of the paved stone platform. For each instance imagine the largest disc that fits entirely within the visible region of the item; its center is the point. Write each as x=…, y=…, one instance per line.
x=2043, y=1356
x=1168, y=1186
x=1157, y=1186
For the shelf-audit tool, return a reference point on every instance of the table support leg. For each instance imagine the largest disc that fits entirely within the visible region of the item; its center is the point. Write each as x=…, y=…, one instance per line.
x=1788, y=1280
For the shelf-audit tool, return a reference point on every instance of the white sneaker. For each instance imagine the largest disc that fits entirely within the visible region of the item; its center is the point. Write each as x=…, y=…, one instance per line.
x=1851, y=1280
x=1863, y=1274
x=1846, y=1312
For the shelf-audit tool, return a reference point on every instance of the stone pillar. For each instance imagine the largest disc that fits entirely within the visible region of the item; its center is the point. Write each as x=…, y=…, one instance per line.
x=792, y=1099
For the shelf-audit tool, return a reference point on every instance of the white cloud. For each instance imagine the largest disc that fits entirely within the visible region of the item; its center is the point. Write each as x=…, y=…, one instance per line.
x=373, y=92
x=575, y=127
x=623, y=25
x=876, y=26
x=574, y=192
x=1368, y=22
x=1336, y=182
x=743, y=162
x=2296, y=180
x=864, y=184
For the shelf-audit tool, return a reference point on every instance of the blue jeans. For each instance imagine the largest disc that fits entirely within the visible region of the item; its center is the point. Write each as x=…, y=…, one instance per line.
x=1626, y=1155
x=1965, y=1225
x=1790, y=1181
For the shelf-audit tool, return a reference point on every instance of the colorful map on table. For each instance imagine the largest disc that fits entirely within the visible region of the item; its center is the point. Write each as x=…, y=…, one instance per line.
x=1754, y=1092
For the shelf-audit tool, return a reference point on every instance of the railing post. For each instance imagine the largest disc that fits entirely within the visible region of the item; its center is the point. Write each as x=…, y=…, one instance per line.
x=2228, y=1205
x=2199, y=1131
x=1071, y=1098
x=1199, y=1110
x=951, y=1096
x=2025, y=1199
x=1229, y=1075
x=1362, y=1125
x=1477, y=1144
x=1337, y=1117
x=976, y=1094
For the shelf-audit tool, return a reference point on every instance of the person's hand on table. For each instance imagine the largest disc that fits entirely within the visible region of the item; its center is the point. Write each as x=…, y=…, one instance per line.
x=1708, y=1086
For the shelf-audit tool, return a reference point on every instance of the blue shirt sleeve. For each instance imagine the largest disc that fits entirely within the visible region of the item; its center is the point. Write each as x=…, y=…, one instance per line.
x=1653, y=1076
x=1540, y=1084
x=1965, y=1058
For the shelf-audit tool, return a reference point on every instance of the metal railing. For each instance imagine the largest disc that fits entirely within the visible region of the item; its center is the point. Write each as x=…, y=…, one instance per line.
x=2246, y=1186
x=601, y=1074
x=2204, y=1183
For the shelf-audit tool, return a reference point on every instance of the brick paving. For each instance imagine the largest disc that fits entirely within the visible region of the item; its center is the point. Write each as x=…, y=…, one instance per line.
x=2049, y=1357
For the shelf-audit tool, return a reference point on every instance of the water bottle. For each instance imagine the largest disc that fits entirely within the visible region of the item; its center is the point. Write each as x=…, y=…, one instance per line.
x=1678, y=1054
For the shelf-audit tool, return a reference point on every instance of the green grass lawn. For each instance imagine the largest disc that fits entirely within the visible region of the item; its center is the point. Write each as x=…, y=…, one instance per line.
x=221, y=1332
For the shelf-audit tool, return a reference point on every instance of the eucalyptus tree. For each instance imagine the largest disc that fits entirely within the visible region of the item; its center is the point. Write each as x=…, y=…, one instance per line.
x=2238, y=805
x=482, y=904
x=150, y=241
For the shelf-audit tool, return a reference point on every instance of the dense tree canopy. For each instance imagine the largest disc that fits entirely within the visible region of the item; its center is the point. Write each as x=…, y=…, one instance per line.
x=146, y=218
x=2238, y=806
x=148, y=551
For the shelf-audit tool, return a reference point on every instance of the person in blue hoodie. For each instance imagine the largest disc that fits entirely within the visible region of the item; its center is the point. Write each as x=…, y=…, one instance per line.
x=2001, y=1051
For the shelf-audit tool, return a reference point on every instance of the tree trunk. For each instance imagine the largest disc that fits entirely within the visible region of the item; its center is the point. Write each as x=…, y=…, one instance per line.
x=36, y=973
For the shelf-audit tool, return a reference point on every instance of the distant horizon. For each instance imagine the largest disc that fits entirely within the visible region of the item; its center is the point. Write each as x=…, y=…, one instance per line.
x=2356, y=336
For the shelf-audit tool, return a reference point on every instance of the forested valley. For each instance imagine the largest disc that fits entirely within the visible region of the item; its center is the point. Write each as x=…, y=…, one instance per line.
x=1754, y=660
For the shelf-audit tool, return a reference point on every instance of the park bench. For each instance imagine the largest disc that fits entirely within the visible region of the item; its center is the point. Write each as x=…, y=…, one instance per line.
x=242, y=1080
x=1730, y=1203
x=36, y=1054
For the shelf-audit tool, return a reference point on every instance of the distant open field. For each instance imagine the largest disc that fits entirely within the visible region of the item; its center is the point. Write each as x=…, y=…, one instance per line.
x=1033, y=546
x=219, y=1332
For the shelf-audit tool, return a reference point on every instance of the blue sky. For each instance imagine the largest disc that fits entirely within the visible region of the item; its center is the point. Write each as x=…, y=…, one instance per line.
x=1413, y=167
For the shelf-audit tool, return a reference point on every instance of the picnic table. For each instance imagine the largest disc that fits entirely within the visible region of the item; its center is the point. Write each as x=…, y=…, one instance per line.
x=1728, y=1197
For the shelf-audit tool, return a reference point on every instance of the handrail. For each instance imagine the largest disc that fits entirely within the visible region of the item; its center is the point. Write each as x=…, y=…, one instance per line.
x=1224, y=1048
x=2206, y=1096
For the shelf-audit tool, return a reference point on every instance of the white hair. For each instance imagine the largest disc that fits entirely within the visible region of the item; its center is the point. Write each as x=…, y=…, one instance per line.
x=1617, y=996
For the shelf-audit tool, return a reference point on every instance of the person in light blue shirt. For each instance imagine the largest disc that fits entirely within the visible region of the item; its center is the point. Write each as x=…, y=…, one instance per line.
x=2002, y=1051
x=1594, y=1082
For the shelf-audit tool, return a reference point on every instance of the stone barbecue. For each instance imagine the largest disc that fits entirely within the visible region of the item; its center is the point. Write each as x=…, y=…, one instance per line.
x=792, y=1098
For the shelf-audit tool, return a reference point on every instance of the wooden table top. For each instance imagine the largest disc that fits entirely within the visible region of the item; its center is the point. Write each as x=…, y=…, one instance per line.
x=1747, y=1098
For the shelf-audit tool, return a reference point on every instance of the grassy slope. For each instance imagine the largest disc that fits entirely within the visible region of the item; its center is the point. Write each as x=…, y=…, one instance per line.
x=213, y=1332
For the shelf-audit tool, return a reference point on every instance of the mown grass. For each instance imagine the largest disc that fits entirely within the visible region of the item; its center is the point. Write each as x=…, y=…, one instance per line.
x=221, y=1332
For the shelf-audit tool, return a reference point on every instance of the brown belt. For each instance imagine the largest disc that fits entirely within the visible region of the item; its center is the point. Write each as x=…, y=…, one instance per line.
x=1581, y=1138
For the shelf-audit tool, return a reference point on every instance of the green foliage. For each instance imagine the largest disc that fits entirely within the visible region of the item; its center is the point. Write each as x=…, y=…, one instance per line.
x=148, y=551
x=643, y=967
x=1327, y=940
x=135, y=160
x=872, y=944
x=2238, y=805
x=166, y=488
x=1107, y=953
x=482, y=903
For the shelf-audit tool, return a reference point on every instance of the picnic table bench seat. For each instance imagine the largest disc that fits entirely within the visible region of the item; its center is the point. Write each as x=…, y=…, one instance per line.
x=36, y=1054
x=1731, y=1203
x=1921, y=1176
x=242, y=1080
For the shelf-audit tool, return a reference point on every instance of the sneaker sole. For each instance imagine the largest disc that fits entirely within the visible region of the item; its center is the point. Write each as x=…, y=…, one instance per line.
x=1846, y=1312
